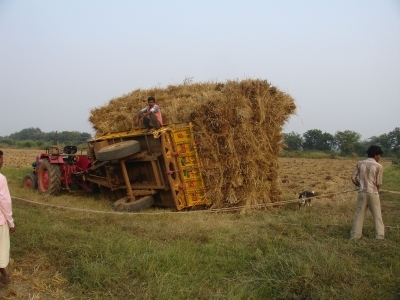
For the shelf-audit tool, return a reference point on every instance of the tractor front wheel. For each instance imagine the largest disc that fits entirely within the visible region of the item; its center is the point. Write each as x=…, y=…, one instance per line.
x=49, y=178
x=30, y=181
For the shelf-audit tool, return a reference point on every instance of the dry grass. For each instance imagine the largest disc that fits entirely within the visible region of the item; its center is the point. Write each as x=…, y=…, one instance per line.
x=237, y=126
x=35, y=277
x=19, y=158
x=48, y=265
x=324, y=176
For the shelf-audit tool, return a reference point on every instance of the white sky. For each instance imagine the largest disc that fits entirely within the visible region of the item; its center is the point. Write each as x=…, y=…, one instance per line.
x=340, y=60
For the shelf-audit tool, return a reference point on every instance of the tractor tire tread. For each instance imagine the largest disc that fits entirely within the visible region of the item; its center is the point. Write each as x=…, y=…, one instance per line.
x=134, y=206
x=118, y=150
x=54, y=178
x=30, y=177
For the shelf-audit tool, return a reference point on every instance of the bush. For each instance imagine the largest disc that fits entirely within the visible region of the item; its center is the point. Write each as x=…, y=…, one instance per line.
x=26, y=144
x=308, y=154
x=7, y=142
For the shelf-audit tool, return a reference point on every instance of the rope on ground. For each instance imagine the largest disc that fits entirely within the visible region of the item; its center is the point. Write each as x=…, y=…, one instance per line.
x=393, y=192
x=211, y=210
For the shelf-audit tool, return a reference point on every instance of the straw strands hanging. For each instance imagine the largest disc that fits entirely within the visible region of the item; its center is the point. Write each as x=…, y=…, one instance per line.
x=238, y=130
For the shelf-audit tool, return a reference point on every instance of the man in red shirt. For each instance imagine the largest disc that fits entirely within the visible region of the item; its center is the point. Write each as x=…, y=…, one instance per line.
x=6, y=225
x=367, y=175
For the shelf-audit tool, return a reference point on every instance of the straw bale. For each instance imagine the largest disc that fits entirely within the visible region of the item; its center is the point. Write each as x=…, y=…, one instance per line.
x=237, y=125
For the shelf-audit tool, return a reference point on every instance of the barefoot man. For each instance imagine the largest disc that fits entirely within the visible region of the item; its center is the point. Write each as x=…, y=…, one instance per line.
x=6, y=225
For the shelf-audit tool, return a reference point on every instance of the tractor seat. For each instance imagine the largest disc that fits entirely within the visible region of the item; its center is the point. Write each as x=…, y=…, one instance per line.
x=70, y=149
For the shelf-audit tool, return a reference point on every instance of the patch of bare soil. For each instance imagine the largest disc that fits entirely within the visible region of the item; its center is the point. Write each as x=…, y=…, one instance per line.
x=34, y=278
x=20, y=158
x=323, y=176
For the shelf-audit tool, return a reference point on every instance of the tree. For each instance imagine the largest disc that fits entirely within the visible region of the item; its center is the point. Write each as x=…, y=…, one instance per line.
x=28, y=134
x=328, y=142
x=382, y=141
x=65, y=137
x=361, y=148
x=394, y=141
x=314, y=139
x=348, y=141
x=7, y=141
x=311, y=139
x=293, y=141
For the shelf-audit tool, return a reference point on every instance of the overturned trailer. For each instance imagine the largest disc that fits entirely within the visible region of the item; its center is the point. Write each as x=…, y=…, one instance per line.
x=138, y=169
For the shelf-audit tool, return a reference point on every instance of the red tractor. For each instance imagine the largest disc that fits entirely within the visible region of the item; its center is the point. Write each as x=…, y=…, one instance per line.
x=59, y=169
x=136, y=169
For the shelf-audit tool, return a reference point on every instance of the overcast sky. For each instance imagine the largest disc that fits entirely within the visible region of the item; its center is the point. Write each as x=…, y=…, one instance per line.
x=339, y=60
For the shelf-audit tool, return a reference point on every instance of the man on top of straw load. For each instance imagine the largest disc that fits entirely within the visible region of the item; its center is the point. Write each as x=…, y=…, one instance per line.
x=6, y=225
x=370, y=173
x=150, y=116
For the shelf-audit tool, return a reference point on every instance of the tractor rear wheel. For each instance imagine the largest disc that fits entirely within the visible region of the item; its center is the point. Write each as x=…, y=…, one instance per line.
x=49, y=178
x=118, y=150
x=133, y=206
x=30, y=181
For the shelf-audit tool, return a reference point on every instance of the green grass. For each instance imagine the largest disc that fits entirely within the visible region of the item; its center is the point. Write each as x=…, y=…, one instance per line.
x=391, y=178
x=309, y=154
x=273, y=254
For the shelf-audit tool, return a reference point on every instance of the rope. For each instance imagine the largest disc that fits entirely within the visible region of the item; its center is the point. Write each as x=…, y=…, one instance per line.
x=158, y=132
x=211, y=210
x=386, y=191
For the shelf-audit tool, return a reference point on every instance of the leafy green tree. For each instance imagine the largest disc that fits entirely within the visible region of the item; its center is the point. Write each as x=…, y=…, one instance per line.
x=27, y=134
x=85, y=137
x=382, y=141
x=7, y=141
x=328, y=142
x=361, y=148
x=40, y=143
x=293, y=141
x=64, y=137
x=73, y=137
x=394, y=141
x=348, y=141
x=390, y=142
x=314, y=139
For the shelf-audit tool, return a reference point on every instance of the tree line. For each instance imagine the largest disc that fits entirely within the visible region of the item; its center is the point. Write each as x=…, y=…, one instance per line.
x=34, y=137
x=346, y=142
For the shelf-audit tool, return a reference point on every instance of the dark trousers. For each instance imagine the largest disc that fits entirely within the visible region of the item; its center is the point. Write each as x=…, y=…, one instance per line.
x=150, y=122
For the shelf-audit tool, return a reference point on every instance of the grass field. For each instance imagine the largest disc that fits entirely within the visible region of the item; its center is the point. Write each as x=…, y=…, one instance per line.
x=281, y=253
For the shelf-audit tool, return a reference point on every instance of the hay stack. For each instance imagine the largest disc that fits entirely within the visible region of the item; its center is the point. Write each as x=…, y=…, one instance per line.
x=238, y=128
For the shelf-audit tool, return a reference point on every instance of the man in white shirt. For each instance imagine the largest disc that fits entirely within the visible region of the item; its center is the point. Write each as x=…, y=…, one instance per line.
x=367, y=175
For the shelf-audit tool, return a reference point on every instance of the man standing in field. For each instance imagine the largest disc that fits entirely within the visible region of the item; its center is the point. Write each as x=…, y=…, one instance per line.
x=6, y=225
x=150, y=116
x=367, y=175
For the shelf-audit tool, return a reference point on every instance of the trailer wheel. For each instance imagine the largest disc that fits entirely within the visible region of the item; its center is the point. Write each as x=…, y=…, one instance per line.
x=118, y=150
x=49, y=178
x=30, y=181
x=134, y=206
